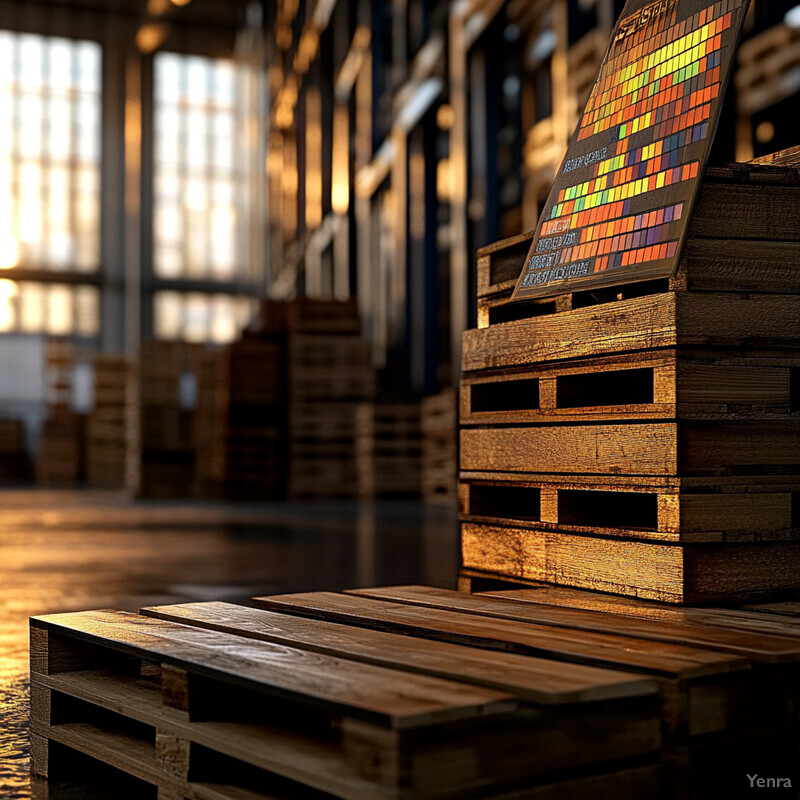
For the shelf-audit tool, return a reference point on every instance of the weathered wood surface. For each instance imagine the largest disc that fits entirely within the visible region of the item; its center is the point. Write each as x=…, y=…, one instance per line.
x=639, y=449
x=755, y=646
x=544, y=640
x=733, y=210
x=738, y=265
x=758, y=620
x=627, y=325
x=641, y=323
x=532, y=679
x=363, y=689
x=658, y=448
x=790, y=609
x=673, y=573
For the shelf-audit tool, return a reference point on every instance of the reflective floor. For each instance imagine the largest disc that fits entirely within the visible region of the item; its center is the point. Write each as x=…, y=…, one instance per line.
x=68, y=551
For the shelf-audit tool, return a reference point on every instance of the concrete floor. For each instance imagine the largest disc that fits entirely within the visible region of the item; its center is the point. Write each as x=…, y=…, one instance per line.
x=69, y=551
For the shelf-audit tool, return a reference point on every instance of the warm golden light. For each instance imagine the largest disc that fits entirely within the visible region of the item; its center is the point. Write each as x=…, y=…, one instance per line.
x=9, y=252
x=8, y=313
x=313, y=159
x=151, y=36
x=416, y=193
x=444, y=117
x=765, y=132
x=443, y=185
x=340, y=167
x=155, y=8
x=180, y=2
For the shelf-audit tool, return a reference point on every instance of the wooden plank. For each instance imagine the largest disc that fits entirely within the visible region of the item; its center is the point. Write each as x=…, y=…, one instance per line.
x=740, y=265
x=643, y=323
x=702, y=573
x=757, y=647
x=532, y=679
x=731, y=619
x=362, y=689
x=727, y=446
x=586, y=647
x=769, y=214
x=718, y=318
x=638, y=448
x=789, y=609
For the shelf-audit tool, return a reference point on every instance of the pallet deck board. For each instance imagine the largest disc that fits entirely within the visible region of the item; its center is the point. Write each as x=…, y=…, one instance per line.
x=730, y=619
x=676, y=573
x=758, y=647
x=535, y=680
x=561, y=643
x=362, y=689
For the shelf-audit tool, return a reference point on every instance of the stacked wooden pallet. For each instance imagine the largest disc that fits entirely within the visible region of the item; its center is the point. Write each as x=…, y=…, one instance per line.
x=60, y=452
x=328, y=375
x=223, y=702
x=160, y=449
x=105, y=426
x=13, y=458
x=642, y=439
x=439, y=423
x=249, y=432
x=60, y=455
x=389, y=450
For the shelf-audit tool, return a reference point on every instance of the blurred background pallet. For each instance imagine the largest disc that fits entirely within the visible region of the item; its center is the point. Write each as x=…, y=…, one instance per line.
x=439, y=424
x=389, y=450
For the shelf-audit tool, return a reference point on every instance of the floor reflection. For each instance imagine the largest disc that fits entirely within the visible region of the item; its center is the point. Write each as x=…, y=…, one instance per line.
x=68, y=551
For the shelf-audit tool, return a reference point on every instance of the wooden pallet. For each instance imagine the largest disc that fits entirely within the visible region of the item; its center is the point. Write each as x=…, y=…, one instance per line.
x=306, y=315
x=439, y=424
x=60, y=457
x=216, y=700
x=389, y=450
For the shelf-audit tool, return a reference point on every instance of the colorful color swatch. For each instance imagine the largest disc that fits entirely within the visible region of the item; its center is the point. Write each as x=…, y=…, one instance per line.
x=620, y=204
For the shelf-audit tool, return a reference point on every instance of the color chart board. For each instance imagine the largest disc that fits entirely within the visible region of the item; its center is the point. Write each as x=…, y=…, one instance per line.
x=620, y=204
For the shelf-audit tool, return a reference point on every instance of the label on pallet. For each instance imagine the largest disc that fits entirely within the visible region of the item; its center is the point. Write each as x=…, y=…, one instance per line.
x=619, y=206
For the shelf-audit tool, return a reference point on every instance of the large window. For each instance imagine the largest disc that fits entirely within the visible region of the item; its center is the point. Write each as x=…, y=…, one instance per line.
x=49, y=182
x=49, y=153
x=195, y=213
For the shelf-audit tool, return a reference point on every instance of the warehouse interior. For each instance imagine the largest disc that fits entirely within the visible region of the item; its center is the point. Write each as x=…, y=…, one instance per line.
x=237, y=258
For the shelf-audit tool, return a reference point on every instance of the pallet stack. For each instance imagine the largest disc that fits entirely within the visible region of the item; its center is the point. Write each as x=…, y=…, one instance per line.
x=249, y=431
x=328, y=374
x=13, y=457
x=439, y=423
x=389, y=450
x=641, y=439
x=160, y=450
x=60, y=455
x=105, y=426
